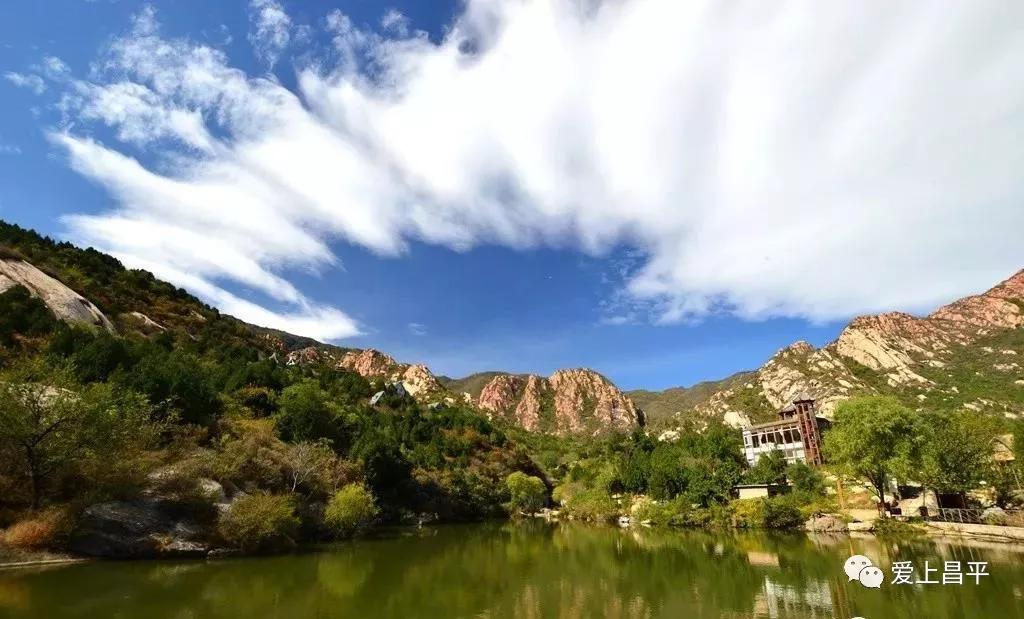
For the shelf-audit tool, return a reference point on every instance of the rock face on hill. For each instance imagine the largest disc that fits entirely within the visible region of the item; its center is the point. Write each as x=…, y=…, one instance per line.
x=417, y=379
x=576, y=401
x=65, y=303
x=968, y=354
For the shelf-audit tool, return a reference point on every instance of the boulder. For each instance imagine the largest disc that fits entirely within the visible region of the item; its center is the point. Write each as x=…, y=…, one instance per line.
x=825, y=523
x=994, y=515
x=146, y=528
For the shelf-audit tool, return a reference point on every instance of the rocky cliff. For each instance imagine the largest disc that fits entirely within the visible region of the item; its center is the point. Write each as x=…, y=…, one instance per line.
x=963, y=355
x=65, y=303
x=576, y=401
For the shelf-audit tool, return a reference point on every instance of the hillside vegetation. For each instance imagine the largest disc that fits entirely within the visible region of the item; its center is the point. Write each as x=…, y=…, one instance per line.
x=199, y=409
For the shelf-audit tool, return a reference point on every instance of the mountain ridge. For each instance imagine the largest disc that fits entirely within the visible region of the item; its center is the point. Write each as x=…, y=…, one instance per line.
x=961, y=355
x=920, y=359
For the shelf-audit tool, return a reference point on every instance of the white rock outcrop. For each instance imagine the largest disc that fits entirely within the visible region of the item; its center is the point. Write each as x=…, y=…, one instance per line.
x=65, y=303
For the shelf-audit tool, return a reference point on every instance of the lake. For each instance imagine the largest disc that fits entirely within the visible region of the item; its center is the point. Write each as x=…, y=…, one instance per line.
x=533, y=570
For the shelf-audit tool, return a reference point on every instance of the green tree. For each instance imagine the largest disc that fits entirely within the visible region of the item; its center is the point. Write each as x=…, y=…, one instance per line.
x=350, y=509
x=386, y=466
x=178, y=380
x=770, y=469
x=806, y=479
x=53, y=424
x=668, y=478
x=527, y=493
x=305, y=413
x=310, y=464
x=23, y=314
x=874, y=438
x=956, y=456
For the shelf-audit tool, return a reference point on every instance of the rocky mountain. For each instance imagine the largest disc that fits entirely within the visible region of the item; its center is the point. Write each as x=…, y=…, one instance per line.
x=660, y=406
x=572, y=401
x=576, y=401
x=968, y=354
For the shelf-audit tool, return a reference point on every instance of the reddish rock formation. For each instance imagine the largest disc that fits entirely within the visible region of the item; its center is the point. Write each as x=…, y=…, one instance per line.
x=304, y=356
x=369, y=363
x=570, y=401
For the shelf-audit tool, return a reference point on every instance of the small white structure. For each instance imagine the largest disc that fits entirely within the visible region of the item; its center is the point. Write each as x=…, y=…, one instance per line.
x=759, y=491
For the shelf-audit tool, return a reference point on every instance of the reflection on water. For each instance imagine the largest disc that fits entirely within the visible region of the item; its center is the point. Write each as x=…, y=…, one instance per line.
x=531, y=570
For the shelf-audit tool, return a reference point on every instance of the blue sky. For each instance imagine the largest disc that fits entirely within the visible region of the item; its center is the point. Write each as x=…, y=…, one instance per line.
x=665, y=191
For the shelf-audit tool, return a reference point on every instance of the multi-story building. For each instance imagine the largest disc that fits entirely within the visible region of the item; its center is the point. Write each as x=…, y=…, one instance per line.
x=797, y=433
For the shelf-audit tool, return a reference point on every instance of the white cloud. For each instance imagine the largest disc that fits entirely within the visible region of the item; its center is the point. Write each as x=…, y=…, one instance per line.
x=54, y=68
x=9, y=149
x=394, y=21
x=26, y=80
x=766, y=159
x=270, y=32
x=417, y=329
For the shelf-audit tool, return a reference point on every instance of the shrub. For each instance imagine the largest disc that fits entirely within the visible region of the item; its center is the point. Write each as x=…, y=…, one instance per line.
x=260, y=400
x=748, y=513
x=352, y=508
x=527, y=494
x=770, y=469
x=781, y=513
x=674, y=513
x=305, y=413
x=260, y=521
x=890, y=527
x=592, y=505
x=40, y=530
x=806, y=479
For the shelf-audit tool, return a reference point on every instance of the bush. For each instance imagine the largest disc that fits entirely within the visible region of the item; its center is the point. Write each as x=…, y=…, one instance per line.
x=260, y=400
x=781, y=513
x=890, y=527
x=260, y=522
x=352, y=508
x=674, y=513
x=41, y=530
x=593, y=505
x=527, y=494
x=806, y=479
x=770, y=469
x=23, y=314
x=748, y=513
x=305, y=413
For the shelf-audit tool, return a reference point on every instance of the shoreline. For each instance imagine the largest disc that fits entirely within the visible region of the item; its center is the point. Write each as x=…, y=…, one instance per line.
x=1005, y=537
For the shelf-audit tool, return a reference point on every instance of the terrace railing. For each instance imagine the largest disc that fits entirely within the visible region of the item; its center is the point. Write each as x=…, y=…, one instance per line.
x=1006, y=517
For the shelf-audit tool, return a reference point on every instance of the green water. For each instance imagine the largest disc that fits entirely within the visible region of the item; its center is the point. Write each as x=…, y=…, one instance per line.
x=530, y=571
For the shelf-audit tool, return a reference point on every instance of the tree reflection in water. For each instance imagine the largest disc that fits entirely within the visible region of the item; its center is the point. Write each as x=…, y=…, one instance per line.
x=530, y=570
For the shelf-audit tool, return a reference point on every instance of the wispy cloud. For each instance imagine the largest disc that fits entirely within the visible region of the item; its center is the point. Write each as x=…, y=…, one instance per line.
x=395, y=22
x=271, y=29
x=417, y=329
x=764, y=161
x=26, y=80
x=9, y=149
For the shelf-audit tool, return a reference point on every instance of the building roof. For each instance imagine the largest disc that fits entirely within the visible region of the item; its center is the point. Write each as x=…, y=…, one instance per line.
x=780, y=423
